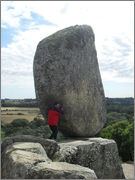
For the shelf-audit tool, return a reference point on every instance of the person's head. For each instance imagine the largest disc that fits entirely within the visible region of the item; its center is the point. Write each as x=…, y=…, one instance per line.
x=57, y=105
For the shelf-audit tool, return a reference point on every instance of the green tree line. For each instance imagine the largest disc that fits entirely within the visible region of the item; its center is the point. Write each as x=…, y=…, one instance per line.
x=123, y=133
x=119, y=126
x=37, y=127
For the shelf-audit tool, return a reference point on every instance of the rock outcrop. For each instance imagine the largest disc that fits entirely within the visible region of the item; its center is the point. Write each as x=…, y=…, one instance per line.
x=27, y=160
x=61, y=170
x=66, y=70
x=18, y=158
x=49, y=146
x=82, y=158
x=100, y=155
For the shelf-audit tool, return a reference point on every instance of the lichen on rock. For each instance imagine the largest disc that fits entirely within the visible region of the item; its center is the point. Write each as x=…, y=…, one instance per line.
x=66, y=70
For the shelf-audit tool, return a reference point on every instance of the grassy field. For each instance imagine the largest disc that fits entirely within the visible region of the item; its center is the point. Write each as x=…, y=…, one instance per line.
x=8, y=114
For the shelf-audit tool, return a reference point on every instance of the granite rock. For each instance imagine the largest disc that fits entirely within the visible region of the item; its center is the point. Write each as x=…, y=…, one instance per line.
x=27, y=160
x=50, y=146
x=66, y=70
x=98, y=154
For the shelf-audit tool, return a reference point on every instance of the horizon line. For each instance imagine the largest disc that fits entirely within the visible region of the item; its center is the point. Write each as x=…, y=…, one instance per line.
x=36, y=98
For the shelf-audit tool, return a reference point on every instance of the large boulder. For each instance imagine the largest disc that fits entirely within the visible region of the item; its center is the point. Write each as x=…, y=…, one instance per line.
x=50, y=146
x=66, y=70
x=98, y=154
x=26, y=160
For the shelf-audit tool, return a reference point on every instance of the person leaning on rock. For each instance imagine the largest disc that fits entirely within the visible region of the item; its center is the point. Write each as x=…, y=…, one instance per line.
x=53, y=119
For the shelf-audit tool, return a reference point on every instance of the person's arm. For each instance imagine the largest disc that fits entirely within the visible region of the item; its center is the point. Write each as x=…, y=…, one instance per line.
x=62, y=111
x=59, y=109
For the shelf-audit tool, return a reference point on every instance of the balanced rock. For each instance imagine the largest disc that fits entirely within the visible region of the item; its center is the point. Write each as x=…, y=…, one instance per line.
x=98, y=154
x=66, y=70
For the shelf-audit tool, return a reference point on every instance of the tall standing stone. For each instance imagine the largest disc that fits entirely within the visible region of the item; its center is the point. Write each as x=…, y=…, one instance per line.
x=66, y=70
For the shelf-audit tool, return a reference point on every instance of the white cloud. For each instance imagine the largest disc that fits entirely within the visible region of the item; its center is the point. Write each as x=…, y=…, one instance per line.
x=17, y=57
x=14, y=11
x=112, y=22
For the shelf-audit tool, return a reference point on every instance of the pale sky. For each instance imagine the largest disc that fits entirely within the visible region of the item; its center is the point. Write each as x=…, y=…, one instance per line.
x=25, y=23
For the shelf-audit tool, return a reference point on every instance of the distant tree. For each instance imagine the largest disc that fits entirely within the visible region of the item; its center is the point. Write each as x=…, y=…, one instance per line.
x=115, y=116
x=2, y=133
x=20, y=123
x=8, y=129
x=127, y=145
x=120, y=108
x=37, y=123
x=123, y=133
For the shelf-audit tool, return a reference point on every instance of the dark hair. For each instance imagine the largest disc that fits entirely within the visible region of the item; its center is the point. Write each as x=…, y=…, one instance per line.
x=55, y=103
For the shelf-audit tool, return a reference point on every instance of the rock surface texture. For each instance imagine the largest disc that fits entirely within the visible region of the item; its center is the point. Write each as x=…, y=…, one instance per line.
x=49, y=146
x=66, y=70
x=100, y=155
x=61, y=170
x=80, y=158
x=28, y=160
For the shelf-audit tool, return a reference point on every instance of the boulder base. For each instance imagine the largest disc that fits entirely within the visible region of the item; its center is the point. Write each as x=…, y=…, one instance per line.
x=98, y=154
x=80, y=158
x=23, y=160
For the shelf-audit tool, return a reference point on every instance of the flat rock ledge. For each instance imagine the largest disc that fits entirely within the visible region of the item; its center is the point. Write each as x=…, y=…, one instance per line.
x=28, y=157
x=100, y=155
x=50, y=146
x=29, y=160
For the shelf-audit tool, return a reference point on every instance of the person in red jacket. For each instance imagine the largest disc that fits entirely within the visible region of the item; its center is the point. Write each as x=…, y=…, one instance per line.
x=53, y=118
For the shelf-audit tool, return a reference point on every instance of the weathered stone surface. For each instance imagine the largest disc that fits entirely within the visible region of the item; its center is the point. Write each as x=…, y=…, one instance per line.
x=61, y=170
x=30, y=147
x=98, y=154
x=19, y=158
x=66, y=70
x=50, y=146
x=29, y=161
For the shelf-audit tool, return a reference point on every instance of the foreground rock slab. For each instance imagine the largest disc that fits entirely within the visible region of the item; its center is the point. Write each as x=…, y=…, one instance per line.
x=60, y=170
x=98, y=154
x=18, y=158
x=128, y=169
x=66, y=70
x=26, y=160
x=50, y=146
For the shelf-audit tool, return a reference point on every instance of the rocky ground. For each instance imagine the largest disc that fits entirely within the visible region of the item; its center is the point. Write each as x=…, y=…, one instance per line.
x=128, y=169
x=26, y=156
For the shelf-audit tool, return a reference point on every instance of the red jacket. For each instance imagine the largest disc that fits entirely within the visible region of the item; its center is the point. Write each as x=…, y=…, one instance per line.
x=53, y=117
